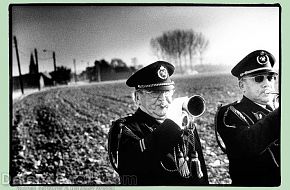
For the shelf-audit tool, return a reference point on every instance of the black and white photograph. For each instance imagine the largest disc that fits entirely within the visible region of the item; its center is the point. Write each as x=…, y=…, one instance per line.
x=145, y=94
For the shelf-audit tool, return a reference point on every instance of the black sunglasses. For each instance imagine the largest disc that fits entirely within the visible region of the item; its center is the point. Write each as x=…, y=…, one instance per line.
x=261, y=78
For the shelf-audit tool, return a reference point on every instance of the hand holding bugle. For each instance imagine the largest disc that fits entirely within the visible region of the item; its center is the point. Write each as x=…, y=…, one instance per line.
x=275, y=99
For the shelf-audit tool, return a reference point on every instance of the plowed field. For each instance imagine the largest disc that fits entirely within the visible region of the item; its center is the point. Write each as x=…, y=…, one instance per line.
x=59, y=136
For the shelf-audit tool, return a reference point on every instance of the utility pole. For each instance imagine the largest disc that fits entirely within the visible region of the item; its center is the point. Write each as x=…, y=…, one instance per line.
x=54, y=62
x=37, y=69
x=36, y=60
x=75, y=70
x=18, y=61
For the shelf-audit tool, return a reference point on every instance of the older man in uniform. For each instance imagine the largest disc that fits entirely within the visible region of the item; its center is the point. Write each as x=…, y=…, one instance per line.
x=250, y=128
x=152, y=148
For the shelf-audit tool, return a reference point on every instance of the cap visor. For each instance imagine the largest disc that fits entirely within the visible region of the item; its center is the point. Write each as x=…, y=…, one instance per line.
x=160, y=88
x=261, y=72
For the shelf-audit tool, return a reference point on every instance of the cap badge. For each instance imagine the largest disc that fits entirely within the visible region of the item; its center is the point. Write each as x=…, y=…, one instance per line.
x=262, y=59
x=162, y=73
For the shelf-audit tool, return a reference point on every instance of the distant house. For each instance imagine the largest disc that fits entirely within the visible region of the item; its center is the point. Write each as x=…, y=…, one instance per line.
x=46, y=80
x=33, y=79
x=103, y=71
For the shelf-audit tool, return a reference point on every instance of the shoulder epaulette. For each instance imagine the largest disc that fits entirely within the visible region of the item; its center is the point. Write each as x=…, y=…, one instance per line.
x=122, y=120
x=237, y=113
x=125, y=129
x=234, y=103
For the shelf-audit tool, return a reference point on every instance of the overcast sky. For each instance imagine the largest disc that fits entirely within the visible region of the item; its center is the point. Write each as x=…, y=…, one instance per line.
x=89, y=33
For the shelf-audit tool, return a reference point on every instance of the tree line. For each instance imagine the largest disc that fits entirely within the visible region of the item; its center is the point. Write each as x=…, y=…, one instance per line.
x=183, y=48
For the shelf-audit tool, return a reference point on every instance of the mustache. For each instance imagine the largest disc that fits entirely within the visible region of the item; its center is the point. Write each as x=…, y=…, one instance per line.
x=163, y=105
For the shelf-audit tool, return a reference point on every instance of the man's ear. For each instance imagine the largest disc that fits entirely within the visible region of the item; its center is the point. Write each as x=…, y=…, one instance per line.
x=137, y=97
x=242, y=85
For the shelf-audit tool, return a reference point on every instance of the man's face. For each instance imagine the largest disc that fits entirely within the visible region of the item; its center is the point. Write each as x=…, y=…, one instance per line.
x=155, y=103
x=256, y=87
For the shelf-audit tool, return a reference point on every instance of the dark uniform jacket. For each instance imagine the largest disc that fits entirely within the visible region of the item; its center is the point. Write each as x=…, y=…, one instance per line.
x=251, y=135
x=146, y=152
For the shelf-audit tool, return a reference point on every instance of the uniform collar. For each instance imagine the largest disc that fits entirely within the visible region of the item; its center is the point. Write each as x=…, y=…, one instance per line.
x=252, y=104
x=144, y=117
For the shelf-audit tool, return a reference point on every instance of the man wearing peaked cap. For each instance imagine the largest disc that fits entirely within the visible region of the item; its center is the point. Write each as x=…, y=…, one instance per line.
x=155, y=76
x=147, y=147
x=250, y=128
x=257, y=62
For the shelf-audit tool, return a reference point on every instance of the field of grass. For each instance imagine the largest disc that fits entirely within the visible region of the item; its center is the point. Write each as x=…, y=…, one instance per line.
x=59, y=136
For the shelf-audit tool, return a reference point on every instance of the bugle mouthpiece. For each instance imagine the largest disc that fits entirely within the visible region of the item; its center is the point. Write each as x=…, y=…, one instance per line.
x=271, y=92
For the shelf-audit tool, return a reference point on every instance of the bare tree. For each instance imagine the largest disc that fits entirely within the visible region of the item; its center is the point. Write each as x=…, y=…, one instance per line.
x=201, y=46
x=178, y=46
x=156, y=47
x=191, y=46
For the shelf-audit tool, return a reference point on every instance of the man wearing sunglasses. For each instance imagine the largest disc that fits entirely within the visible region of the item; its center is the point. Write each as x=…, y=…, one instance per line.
x=150, y=149
x=250, y=128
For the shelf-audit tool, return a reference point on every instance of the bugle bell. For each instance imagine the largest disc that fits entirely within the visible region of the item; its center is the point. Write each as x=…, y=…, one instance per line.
x=193, y=107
